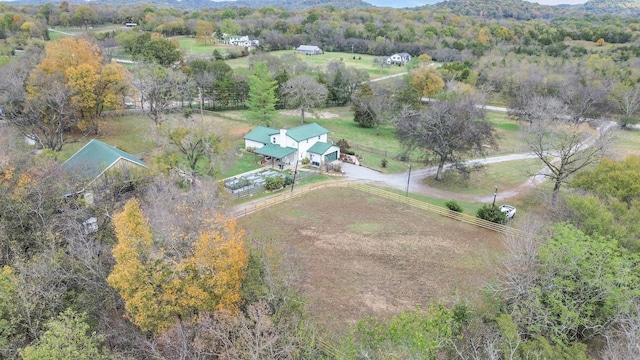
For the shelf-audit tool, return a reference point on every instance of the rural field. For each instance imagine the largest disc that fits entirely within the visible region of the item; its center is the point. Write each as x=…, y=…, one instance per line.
x=358, y=255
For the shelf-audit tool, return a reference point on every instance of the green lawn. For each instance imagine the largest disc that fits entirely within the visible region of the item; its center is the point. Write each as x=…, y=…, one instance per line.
x=133, y=134
x=242, y=163
x=504, y=175
x=343, y=127
x=4, y=60
x=508, y=131
x=79, y=30
x=364, y=62
x=627, y=143
x=191, y=48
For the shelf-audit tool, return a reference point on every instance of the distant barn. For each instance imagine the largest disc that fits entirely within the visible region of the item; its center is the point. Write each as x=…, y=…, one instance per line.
x=308, y=50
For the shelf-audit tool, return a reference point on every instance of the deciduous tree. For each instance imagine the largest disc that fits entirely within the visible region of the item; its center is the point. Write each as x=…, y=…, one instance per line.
x=450, y=130
x=67, y=337
x=204, y=150
x=565, y=147
x=626, y=99
x=161, y=288
x=568, y=286
x=83, y=87
x=204, y=32
x=426, y=80
x=373, y=108
x=84, y=15
x=304, y=93
x=159, y=88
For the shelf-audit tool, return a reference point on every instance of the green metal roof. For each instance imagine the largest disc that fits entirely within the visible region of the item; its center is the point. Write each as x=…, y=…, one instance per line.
x=261, y=134
x=275, y=151
x=307, y=131
x=96, y=157
x=320, y=148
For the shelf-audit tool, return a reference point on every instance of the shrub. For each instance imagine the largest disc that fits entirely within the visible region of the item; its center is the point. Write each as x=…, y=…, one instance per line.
x=288, y=180
x=384, y=163
x=453, y=206
x=492, y=213
x=274, y=182
x=344, y=145
x=306, y=161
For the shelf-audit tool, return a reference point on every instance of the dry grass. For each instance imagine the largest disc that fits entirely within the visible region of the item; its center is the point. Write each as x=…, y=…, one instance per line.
x=360, y=255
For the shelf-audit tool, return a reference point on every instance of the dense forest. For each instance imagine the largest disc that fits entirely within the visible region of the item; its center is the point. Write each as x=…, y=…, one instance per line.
x=166, y=278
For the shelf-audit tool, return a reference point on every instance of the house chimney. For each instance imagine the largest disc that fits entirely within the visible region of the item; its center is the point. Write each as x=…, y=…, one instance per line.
x=283, y=137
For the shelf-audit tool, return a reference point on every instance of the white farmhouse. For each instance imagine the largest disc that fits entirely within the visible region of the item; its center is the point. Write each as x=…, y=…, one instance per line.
x=288, y=146
x=399, y=59
x=241, y=40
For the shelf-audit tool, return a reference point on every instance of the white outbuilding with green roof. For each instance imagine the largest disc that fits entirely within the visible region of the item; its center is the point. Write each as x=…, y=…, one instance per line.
x=290, y=145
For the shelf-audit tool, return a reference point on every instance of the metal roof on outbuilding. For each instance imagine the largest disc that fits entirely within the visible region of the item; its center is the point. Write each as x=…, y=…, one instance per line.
x=308, y=48
x=96, y=157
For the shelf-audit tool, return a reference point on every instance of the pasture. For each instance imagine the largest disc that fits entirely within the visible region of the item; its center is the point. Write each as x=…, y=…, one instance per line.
x=359, y=255
x=363, y=62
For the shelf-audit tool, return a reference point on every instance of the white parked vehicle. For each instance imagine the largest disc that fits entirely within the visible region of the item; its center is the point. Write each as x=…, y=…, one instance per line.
x=509, y=211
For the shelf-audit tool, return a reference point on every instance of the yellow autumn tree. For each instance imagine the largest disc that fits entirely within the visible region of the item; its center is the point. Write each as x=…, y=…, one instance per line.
x=426, y=80
x=138, y=274
x=159, y=291
x=77, y=65
x=214, y=272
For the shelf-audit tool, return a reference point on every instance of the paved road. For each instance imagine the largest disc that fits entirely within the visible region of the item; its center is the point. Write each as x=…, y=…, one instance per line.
x=399, y=181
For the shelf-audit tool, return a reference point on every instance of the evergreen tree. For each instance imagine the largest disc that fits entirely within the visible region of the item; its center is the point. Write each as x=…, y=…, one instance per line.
x=262, y=95
x=362, y=112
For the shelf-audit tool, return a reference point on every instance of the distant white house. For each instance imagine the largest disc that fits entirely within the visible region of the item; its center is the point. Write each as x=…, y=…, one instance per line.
x=309, y=50
x=290, y=145
x=241, y=40
x=399, y=59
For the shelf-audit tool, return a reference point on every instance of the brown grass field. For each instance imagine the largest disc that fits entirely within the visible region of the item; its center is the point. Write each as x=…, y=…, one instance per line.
x=360, y=255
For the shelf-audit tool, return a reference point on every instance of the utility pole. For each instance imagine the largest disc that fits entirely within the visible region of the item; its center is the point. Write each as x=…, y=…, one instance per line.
x=495, y=193
x=408, y=181
x=295, y=172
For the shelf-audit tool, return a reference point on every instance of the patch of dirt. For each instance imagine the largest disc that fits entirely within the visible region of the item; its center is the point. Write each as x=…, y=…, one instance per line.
x=320, y=114
x=362, y=256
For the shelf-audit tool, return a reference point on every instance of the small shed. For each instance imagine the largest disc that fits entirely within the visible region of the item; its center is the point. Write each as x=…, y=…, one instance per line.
x=97, y=165
x=309, y=50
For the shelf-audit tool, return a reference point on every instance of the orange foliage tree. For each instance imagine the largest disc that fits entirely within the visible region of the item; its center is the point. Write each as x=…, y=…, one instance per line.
x=77, y=65
x=159, y=290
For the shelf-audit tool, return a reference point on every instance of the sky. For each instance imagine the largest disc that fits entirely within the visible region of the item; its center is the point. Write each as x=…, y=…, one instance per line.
x=413, y=3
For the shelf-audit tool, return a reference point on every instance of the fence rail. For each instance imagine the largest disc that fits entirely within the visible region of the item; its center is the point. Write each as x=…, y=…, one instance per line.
x=255, y=189
x=297, y=192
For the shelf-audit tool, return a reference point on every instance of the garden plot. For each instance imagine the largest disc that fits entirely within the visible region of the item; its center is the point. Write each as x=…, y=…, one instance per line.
x=246, y=182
